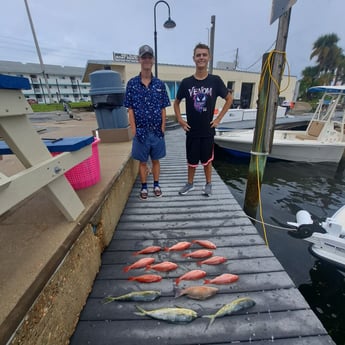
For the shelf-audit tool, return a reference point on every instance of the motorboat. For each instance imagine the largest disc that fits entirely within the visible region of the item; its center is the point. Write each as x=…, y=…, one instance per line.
x=322, y=141
x=327, y=238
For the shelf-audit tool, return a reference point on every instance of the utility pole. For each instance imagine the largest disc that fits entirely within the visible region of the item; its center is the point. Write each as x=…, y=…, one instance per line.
x=266, y=115
x=39, y=54
x=213, y=24
x=236, y=59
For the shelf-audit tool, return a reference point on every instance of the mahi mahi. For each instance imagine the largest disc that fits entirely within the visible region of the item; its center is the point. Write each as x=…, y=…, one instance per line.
x=173, y=315
x=136, y=296
x=230, y=308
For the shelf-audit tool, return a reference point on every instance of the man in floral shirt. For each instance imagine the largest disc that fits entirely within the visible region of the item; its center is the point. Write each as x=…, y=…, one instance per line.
x=146, y=99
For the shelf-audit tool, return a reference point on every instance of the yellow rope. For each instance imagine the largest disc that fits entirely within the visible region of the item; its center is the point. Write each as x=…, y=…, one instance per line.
x=267, y=67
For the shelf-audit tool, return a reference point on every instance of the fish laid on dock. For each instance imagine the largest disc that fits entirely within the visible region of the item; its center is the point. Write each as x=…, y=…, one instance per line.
x=173, y=315
x=205, y=243
x=139, y=264
x=164, y=266
x=197, y=292
x=215, y=260
x=136, y=296
x=178, y=246
x=198, y=254
x=148, y=250
x=225, y=278
x=230, y=308
x=146, y=278
x=191, y=275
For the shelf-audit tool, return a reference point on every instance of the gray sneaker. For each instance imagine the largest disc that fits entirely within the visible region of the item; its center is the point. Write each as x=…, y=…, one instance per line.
x=207, y=191
x=186, y=188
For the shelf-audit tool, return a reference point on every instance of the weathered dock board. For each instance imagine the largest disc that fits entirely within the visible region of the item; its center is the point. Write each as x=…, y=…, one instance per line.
x=281, y=314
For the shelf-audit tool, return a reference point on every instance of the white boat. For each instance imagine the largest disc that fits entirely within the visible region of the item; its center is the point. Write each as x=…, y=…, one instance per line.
x=327, y=239
x=322, y=141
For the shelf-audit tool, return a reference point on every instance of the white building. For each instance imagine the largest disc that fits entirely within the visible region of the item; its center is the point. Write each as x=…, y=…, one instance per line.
x=64, y=82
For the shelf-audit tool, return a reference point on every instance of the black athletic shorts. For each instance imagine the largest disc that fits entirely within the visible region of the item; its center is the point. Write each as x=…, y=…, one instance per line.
x=199, y=150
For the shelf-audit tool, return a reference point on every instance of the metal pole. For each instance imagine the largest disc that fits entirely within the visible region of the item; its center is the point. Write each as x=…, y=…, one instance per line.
x=213, y=24
x=169, y=24
x=38, y=51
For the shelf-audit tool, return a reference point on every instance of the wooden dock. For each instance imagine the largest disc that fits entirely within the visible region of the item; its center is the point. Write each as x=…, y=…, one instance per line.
x=281, y=314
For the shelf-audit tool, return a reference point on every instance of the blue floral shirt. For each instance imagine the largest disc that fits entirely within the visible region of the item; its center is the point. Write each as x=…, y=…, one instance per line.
x=147, y=104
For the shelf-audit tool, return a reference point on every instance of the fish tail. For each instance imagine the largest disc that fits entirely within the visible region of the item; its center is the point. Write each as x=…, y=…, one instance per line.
x=148, y=267
x=207, y=281
x=141, y=311
x=135, y=254
x=108, y=299
x=199, y=263
x=184, y=255
x=166, y=249
x=177, y=281
x=212, y=318
x=126, y=269
x=178, y=292
x=131, y=278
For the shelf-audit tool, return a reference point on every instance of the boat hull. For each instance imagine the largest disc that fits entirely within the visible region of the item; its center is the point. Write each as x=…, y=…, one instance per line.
x=328, y=248
x=308, y=151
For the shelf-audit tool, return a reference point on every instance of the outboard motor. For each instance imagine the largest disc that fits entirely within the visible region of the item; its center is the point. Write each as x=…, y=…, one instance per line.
x=305, y=226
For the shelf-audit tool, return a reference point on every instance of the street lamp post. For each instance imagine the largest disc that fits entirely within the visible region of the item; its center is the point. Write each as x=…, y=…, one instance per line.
x=169, y=24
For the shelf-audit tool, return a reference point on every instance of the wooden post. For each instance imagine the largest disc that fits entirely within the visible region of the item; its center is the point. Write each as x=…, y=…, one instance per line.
x=272, y=71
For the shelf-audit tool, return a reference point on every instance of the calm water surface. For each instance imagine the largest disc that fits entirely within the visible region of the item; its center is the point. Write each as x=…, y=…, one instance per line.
x=286, y=188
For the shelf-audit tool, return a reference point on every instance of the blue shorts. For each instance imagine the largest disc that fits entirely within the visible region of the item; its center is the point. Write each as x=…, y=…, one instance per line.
x=153, y=147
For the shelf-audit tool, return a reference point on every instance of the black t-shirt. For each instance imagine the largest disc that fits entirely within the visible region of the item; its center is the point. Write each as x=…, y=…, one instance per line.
x=201, y=96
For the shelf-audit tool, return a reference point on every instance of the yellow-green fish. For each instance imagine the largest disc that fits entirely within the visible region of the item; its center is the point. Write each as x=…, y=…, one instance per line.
x=137, y=296
x=173, y=315
x=230, y=308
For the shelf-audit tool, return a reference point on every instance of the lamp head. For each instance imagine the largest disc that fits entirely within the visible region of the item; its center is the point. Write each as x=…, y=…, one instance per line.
x=169, y=24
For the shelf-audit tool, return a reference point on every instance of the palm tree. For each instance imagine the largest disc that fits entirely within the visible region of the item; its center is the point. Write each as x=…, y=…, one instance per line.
x=327, y=53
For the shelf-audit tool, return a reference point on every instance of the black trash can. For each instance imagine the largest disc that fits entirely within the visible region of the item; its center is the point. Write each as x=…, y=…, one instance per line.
x=107, y=95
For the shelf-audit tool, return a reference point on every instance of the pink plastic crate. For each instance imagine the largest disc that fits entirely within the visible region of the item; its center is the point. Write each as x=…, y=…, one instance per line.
x=88, y=172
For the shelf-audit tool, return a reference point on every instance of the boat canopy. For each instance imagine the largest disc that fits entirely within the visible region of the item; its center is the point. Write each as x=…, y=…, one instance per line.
x=328, y=89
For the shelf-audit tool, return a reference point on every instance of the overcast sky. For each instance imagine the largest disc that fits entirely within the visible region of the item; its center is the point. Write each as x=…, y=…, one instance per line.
x=70, y=32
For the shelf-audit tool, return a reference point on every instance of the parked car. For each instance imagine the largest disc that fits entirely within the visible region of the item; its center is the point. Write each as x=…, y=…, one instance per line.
x=32, y=101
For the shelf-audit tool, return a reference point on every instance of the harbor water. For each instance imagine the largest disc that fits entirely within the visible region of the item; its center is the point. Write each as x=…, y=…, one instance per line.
x=288, y=187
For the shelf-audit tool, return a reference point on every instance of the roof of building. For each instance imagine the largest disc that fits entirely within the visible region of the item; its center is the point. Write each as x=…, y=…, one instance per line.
x=35, y=68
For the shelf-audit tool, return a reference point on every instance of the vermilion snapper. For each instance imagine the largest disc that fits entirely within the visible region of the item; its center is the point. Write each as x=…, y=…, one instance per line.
x=164, y=266
x=178, y=246
x=225, y=278
x=197, y=292
x=139, y=264
x=148, y=250
x=146, y=278
x=215, y=260
x=205, y=243
x=201, y=253
x=191, y=275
